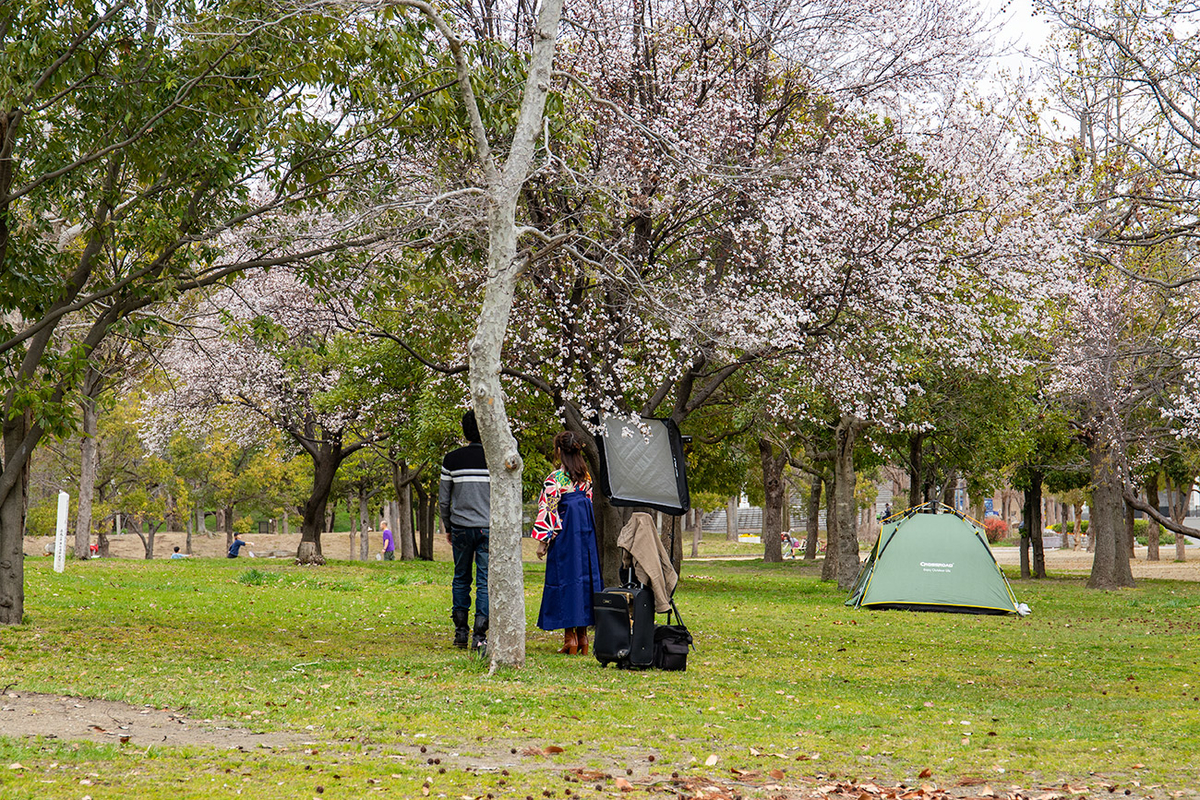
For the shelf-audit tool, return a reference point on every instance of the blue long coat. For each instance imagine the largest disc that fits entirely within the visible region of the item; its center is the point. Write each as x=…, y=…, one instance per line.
x=572, y=567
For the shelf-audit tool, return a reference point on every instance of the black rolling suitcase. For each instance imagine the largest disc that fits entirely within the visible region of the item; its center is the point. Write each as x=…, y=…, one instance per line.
x=624, y=626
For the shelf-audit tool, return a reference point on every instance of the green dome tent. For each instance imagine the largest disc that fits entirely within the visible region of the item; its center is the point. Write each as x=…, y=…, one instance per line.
x=933, y=562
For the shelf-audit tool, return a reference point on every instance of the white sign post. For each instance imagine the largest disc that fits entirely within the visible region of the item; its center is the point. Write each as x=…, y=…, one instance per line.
x=60, y=536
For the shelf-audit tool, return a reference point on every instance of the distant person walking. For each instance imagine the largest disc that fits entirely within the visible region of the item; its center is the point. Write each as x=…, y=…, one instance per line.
x=464, y=502
x=389, y=544
x=566, y=533
x=237, y=546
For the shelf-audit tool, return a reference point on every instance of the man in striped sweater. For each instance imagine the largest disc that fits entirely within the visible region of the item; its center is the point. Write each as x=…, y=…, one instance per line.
x=464, y=501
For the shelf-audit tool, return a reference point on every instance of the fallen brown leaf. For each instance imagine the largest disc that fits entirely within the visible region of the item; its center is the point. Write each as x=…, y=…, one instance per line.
x=589, y=774
x=776, y=774
x=925, y=773
x=624, y=785
x=554, y=749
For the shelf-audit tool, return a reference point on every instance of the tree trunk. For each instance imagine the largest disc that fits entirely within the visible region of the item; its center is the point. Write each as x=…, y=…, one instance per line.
x=1037, y=529
x=949, y=490
x=1129, y=540
x=326, y=460
x=227, y=525
x=1110, y=566
x=148, y=541
x=915, y=444
x=1153, y=528
x=1064, y=513
x=87, y=465
x=697, y=531
x=353, y=526
x=609, y=521
x=402, y=478
x=425, y=528
x=1026, y=533
x=12, y=523
x=829, y=565
x=1179, y=513
x=429, y=522
x=773, y=494
x=135, y=527
x=506, y=581
x=812, y=523
x=408, y=549
x=364, y=525
x=671, y=534
x=848, y=561
x=731, y=519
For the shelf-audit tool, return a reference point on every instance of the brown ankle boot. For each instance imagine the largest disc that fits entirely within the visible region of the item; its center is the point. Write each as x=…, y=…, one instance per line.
x=581, y=639
x=570, y=642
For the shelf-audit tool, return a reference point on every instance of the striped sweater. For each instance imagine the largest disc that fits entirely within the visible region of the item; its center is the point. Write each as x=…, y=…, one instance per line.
x=464, y=494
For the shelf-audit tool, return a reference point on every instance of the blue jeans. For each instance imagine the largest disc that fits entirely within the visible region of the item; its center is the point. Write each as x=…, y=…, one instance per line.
x=470, y=545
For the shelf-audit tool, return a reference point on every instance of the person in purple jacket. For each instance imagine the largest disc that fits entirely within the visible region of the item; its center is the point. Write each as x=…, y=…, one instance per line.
x=389, y=545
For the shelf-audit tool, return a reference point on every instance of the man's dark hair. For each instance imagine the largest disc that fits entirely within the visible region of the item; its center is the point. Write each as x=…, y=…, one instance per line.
x=176, y=548
x=470, y=427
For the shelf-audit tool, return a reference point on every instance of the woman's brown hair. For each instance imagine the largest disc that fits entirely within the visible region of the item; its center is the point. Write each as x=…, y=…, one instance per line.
x=570, y=450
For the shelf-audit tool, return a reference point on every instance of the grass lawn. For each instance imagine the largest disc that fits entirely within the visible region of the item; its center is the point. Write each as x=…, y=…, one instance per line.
x=787, y=688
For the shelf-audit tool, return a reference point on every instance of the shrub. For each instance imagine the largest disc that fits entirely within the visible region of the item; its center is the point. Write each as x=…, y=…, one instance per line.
x=1141, y=533
x=995, y=529
x=1070, y=526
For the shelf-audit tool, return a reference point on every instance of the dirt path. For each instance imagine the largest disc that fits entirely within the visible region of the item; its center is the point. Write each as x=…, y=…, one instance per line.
x=276, y=545
x=1080, y=561
x=56, y=717
x=28, y=714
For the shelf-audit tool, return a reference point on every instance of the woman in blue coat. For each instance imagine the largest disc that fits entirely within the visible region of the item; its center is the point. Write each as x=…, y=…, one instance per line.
x=566, y=534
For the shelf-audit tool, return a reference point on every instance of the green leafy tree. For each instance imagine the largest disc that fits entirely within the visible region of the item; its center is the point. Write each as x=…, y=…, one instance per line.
x=145, y=150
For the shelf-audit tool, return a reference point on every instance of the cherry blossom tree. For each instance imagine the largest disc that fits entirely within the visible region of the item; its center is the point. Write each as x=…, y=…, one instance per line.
x=717, y=193
x=1125, y=349
x=267, y=351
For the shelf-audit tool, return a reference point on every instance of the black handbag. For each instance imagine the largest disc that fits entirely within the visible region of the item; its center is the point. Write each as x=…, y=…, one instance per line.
x=671, y=643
